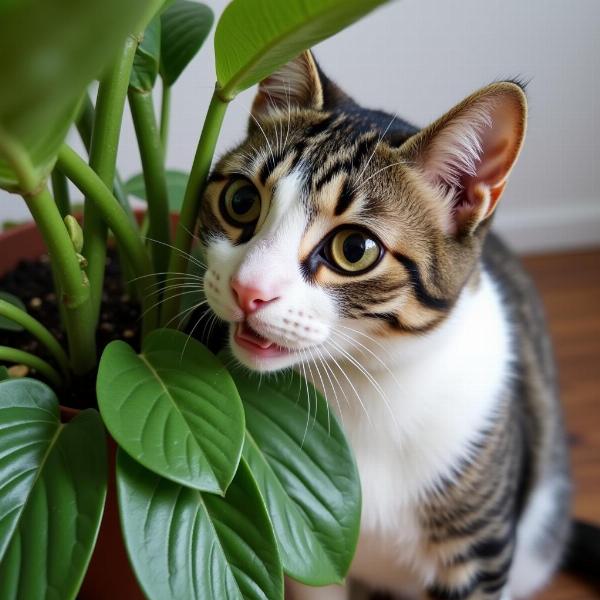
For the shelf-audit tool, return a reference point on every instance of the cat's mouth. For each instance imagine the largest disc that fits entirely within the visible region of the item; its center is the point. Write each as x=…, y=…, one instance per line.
x=254, y=342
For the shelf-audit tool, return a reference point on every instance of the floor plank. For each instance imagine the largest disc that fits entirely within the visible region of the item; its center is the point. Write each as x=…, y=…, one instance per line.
x=570, y=287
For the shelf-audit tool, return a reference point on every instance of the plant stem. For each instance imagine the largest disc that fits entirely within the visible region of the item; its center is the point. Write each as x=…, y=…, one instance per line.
x=24, y=358
x=12, y=312
x=103, y=155
x=74, y=289
x=60, y=189
x=191, y=202
x=18, y=159
x=153, y=163
x=109, y=209
x=85, y=122
x=165, y=108
x=85, y=126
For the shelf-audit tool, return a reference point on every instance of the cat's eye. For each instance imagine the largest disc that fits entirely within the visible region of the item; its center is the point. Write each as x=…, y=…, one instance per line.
x=240, y=203
x=354, y=250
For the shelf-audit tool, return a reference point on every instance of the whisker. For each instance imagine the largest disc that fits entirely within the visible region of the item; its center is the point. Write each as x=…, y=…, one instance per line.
x=264, y=135
x=400, y=162
x=376, y=145
x=313, y=382
x=364, y=348
x=182, y=252
x=177, y=286
x=214, y=322
x=324, y=390
x=372, y=339
x=289, y=112
x=328, y=369
x=335, y=362
x=154, y=274
x=307, y=397
x=191, y=333
x=183, y=313
x=370, y=379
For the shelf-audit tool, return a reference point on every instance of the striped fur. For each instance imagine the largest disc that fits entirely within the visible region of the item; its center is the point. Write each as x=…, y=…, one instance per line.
x=437, y=359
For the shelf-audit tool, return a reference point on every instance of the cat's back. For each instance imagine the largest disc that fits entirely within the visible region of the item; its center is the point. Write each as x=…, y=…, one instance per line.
x=523, y=307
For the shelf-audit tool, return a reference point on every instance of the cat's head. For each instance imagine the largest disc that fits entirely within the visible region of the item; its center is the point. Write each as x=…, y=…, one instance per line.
x=330, y=221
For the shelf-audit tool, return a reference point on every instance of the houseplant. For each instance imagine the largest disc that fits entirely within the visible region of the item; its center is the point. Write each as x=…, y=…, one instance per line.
x=222, y=485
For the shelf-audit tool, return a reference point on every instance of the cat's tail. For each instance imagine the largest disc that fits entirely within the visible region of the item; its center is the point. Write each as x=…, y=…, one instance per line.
x=583, y=552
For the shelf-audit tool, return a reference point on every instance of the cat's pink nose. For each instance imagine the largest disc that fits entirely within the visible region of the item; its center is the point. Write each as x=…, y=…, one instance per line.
x=250, y=298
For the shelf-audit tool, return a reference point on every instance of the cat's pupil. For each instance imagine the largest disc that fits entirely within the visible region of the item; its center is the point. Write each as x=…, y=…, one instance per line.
x=354, y=247
x=243, y=200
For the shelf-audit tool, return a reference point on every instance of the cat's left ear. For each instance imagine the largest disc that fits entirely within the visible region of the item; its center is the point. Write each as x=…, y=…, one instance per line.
x=470, y=151
x=296, y=83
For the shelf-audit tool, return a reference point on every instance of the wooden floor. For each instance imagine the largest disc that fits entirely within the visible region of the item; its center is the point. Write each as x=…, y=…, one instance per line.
x=570, y=286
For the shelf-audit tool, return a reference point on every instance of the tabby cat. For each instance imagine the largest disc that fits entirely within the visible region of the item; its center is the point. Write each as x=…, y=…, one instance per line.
x=348, y=244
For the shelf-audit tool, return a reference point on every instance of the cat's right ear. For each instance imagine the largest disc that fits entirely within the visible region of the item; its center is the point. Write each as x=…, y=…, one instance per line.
x=295, y=84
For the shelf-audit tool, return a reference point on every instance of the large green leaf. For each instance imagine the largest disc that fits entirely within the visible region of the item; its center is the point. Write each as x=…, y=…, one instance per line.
x=306, y=473
x=53, y=482
x=188, y=544
x=146, y=59
x=174, y=408
x=51, y=50
x=5, y=323
x=40, y=148
x=269, y=33
x=176, y=184
x=185, y=26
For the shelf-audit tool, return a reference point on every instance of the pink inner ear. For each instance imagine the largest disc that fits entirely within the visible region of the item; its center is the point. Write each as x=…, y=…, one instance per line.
x=471, y=157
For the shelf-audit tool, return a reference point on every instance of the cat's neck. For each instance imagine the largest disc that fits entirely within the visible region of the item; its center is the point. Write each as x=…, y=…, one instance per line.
x=427, y=397
x=476, y=318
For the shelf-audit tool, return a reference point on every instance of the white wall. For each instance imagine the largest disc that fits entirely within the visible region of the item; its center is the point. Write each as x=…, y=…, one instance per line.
x=419, y=57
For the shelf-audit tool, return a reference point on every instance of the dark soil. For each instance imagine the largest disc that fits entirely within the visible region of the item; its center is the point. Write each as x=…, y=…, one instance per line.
x=31, y=281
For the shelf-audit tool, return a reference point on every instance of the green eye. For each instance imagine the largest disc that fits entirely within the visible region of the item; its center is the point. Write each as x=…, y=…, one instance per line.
x=354, y=250
x=240, y=203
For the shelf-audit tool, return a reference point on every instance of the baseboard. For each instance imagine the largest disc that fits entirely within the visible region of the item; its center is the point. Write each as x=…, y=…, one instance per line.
x=551, y=228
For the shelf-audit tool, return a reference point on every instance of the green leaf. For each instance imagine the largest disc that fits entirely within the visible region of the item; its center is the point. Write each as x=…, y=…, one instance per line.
x=51, y=50
x=174, y=408
x=146, y=59
x=185, y=26
x=4, y=374
x=269, y=33
x=53, y=481
x=306, y=473
x=40, y=149
x=176, y=184
x=5, y=323
x=187, y=544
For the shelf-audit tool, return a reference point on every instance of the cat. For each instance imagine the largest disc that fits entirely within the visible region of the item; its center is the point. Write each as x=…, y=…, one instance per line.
x=349, y=240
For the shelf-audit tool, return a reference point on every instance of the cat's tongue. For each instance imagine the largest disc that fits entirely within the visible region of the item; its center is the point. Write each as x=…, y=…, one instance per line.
x=246, y=333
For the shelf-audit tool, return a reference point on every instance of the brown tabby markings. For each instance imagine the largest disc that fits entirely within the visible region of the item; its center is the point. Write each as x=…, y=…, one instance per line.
x=353, y=173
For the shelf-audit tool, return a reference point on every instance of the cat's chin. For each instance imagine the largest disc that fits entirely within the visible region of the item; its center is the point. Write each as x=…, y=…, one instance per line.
x=257, y=353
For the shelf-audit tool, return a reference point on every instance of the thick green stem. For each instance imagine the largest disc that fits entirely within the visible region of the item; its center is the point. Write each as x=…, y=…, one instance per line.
x=153, y=163
x=103, y=155
x=12, y=312
x=74, y=287
x=109, y=209
x=85, y=122
x=191, y=202
x=60, y=190
x=85, y=126
x=165, y=111
x=24, y=358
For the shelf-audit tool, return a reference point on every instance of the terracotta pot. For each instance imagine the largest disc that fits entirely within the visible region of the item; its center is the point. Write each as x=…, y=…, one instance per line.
x=109, y=575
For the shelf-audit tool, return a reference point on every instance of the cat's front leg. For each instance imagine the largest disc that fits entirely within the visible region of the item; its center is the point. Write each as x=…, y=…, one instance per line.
x=297, y=591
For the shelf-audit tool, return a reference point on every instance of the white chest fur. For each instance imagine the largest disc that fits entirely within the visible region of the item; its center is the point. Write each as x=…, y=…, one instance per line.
x=442, y=389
